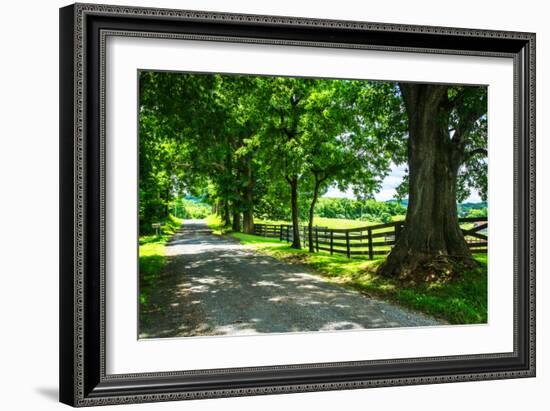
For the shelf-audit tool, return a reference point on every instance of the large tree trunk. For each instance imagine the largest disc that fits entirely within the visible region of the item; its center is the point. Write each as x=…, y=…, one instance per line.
x=167, y=202
x=248, y=214
x=236, y=221
x=248, y=221
x=293, y=181
x=226, y=213
x=431, y=243
x=228, y=178
x=311, y=212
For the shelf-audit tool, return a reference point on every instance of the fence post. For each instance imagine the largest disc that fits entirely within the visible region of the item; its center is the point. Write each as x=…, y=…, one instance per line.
x=280, y=232
x=317, y=238
x=348, y=251
x=331, y=241
x=370, y=244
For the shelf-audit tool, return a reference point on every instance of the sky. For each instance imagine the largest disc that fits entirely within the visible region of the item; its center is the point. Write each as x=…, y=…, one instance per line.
x=387, y=192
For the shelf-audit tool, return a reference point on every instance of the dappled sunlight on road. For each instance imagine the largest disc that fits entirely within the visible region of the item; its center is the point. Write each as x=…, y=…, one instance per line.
x=213, y=285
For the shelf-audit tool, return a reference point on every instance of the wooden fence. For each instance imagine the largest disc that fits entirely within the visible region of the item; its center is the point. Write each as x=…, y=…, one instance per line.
x=370, y=240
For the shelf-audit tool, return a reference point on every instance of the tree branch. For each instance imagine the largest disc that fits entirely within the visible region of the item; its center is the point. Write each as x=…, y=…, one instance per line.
x=475, y=152
x=466, y=123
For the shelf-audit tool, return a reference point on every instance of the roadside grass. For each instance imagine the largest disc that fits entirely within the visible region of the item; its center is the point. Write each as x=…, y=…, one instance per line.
x=459, y=301
x=152, y=257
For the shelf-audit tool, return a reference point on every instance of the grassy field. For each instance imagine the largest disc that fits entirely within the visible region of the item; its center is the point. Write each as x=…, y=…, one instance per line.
x=458, y=301
x=332, y=222
x=152, y=255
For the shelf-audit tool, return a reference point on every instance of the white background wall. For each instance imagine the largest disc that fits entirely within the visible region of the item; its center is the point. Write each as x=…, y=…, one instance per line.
x=29, y=204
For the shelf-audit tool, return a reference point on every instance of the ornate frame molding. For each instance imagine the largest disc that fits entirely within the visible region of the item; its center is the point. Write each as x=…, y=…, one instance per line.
x=82, y=335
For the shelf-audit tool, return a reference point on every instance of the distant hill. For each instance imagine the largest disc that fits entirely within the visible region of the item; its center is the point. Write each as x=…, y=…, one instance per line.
x=193, y=199
x=464, y=209
x=404, y=203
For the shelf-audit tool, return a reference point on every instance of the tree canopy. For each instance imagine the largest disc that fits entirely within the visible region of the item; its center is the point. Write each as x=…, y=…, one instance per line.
x=272, y=146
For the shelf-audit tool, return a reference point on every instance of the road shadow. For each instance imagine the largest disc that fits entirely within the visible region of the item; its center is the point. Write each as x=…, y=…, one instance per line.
x=215, y=286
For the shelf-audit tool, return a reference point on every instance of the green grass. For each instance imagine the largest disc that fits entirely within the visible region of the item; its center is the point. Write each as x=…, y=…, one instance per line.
x=459, y=301
x=276, y=222
x=152, y=257
x=336, y=223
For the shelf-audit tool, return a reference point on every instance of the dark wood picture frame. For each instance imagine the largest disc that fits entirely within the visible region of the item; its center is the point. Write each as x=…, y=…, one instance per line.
x=83, y=381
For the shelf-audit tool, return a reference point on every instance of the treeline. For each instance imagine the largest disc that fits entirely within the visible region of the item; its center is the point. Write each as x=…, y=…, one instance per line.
x=272, y=146
x=366, y=210
x=344, y=208
x=190, y=208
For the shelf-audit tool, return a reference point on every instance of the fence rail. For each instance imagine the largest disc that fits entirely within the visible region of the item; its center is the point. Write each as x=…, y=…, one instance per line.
x=370, y=240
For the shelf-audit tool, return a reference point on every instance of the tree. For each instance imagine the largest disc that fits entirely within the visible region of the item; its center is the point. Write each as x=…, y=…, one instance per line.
x=244, y=119
x=340, y=147
x=168, y=121
x=282, y=137
x=443, y=123
x=212, y=121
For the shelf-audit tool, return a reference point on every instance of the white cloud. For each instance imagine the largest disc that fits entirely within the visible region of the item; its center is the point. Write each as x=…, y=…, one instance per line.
x=334, y=192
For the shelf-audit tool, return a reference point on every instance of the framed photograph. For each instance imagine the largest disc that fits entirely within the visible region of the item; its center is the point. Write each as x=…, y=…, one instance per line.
x=262, y=204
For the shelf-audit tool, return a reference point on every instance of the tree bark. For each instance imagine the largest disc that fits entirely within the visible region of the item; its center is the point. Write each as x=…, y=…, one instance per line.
x=167, y=202
x=248, y=214
x=293, y=181
x=236, y=221
x=431, y=243
x=311, y=212
x=226, y=213
x=248, y=221
x=228, y=178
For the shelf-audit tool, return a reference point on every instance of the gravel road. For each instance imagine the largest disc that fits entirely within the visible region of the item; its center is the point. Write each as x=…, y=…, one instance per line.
x=213, y=285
